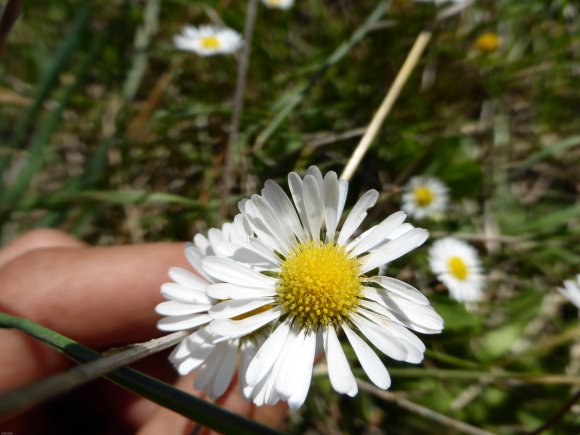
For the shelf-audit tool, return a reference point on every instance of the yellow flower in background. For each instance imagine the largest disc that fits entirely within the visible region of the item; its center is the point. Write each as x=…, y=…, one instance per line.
x=487, y=42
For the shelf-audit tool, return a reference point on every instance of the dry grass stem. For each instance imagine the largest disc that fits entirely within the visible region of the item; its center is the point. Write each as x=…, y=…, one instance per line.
x=387, y=104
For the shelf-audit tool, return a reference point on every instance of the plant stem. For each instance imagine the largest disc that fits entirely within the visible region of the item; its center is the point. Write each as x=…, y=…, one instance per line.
x=243, y=64
x=387, y=104
x=421, y=410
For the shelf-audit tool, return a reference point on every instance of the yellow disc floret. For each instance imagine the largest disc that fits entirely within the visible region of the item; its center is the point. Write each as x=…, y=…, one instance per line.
x=457, y=268
x=487, y=42
x=424, y=196
x=319, y=283
x=210, y=42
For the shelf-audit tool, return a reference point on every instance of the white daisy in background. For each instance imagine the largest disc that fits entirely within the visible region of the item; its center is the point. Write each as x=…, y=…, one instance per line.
x=425, y=197
x=571, y=290
x=317, y=280
x=279, y=4
x=456, y=264
x=187, y=309
x=208, y=40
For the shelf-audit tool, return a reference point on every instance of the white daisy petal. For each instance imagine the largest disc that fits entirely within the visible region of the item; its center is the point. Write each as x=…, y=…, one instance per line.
x=400, y=288
x=379, y=234
x=296, y=189
x=313, y=206
x=274, y=222
x=339, y=372
x=201, y=243
x=195, y=257
x=236, y=307
x=179, y=323
x=237, y=328
x=293, y=380
x=226, y=360
x=223, y=290
x=188, y=279
x=172, y=308
x=384, y=342
x=357, y=215
x=571, y=290
x=314, y=171
x=331, y=199
x=234, y=273
x=370, y=362
x=180, y=293
x=414, y=347
x=342, y=193
x=283, y=208
x=394, y=249
x=265, y=226
x=266, y=356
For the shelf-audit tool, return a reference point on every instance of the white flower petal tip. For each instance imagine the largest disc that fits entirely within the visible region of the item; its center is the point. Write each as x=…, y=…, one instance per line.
x=425, y=197
x=208, y=40
x=571, y=290
x=279, y=4
x=457, y=265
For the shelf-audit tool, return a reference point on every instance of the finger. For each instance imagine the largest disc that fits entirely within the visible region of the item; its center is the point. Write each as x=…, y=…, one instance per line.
x=37, y=239
x=101, y=297
x=163, y=420
x=166, y=421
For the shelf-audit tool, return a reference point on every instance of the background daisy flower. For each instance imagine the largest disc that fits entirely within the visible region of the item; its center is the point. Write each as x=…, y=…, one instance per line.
x=571, y=290
x=208, y=40
x=187, y=308
x=425, y=197
x=456, y=264
x=320, y=283
x=279, y=4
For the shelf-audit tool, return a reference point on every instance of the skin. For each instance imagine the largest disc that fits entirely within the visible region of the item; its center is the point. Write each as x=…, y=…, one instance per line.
x=102, y=297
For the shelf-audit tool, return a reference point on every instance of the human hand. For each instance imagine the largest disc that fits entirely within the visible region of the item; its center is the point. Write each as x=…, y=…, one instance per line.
x=102, y=297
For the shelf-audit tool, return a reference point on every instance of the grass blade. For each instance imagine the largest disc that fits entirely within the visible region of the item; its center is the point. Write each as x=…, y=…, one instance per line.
x=159, y=392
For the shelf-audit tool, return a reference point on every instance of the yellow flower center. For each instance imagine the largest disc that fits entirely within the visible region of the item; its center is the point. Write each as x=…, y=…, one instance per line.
x=319, y=284
x=424, y=196
x=210, y=42
x=487, y=42
x=457, y=268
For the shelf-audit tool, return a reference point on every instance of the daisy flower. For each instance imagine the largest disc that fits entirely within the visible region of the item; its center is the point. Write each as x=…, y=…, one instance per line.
x=279, y=4
x=425, y=197
x=208, y=40
x=187, y=308
x=571, y=290
x=456, y=264
x=319, y=281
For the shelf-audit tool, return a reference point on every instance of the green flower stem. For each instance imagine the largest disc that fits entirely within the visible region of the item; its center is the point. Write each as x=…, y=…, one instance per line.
x=159, y=392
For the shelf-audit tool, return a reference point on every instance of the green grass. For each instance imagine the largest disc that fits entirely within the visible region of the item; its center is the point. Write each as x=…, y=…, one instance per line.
x=109, y=116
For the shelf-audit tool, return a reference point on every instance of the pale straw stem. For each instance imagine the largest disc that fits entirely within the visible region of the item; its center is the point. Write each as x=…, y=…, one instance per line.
x=387, y=104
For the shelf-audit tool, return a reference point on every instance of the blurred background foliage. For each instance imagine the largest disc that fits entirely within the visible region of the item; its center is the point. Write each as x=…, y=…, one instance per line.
x=109, y=132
